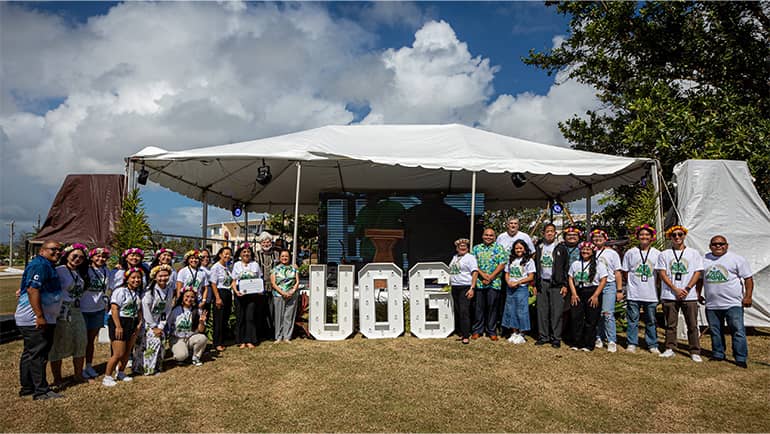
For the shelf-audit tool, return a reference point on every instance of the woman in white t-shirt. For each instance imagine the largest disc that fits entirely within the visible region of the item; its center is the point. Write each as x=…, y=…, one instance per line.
x=156, y=306
x=186, y=325
x=519, y=273
x=124, y=323
x=221, y=281
x=251, y=309
x=94, y=302
x=612, y=293
x=463, y=272
x=638, y=266
x=587, y=278
x=193, y=276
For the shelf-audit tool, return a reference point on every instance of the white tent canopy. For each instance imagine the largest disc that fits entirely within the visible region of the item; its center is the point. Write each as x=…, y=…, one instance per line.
x=397, y=158
x=717, y=197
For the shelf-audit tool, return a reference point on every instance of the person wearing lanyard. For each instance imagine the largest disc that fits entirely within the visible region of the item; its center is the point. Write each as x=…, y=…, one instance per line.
x=93, y=304
x=156, y=306
x=221, y=285
x=165, y=256
x=205, y=256
x=194, y=277
x=39, y=301
x=679, y=269
x=131, y=258
x=518, y=274
x=69, y=340
x=722, y=291
x=251, y=309
x=123, y=324
x=551, y=264
x=491, y=258
x=571, y=235
x=587, y=278
x=186, y=325
x=612, y=293
x=463, y=272
x=638, y=266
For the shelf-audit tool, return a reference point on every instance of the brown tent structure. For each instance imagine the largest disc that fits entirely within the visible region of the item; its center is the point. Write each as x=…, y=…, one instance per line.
x=85, y=210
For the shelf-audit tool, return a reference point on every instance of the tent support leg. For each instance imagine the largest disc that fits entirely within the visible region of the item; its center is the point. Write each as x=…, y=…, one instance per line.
x=245, y=223
x=204, y=219
x=473, y=207
x=588, y=210
x=294, y=240
x=130, y=177
x=654, y=171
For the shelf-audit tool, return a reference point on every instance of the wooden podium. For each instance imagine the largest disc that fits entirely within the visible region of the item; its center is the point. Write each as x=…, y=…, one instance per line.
x=384, y=240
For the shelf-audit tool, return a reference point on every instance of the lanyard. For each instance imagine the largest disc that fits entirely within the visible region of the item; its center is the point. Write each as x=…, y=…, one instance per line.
x=679, y=259
x=194, y=276
x=644, y=258
x=583, y=270
x=102, y=276
x=75, y=277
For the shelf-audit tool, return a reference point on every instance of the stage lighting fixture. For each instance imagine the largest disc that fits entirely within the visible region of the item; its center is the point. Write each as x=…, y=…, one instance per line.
x=263, y=174
x=237, y=210
x=143, y=175
x=518, y=179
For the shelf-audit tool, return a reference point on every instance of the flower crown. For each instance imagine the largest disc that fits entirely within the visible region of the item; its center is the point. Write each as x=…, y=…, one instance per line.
x=97, y=251
x=571, y=230
x=158, y=269
x=77, y=246
x=165, y=250
x=670, y=230
x=601, y=232
x=133, y=270
x=189, y=253
x=646, y=227
x=136, y=250
x=245, y=245
x=586, y=244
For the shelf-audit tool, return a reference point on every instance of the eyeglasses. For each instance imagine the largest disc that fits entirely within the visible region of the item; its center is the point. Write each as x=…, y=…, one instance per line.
x=677, y=234
x=76, y=257
x=718, y=244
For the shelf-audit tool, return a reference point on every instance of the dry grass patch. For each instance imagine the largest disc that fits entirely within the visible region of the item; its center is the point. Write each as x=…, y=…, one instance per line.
x=407, y=384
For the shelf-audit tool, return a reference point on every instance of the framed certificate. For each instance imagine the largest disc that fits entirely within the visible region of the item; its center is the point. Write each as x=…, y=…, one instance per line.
x=251, y=286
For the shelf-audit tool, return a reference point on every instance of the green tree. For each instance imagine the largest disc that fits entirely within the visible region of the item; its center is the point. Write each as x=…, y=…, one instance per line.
x=307, y=231
x=133, y=229
x=677, y=80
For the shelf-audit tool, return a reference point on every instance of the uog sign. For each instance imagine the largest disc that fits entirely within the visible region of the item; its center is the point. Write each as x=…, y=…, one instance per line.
x=392, y=277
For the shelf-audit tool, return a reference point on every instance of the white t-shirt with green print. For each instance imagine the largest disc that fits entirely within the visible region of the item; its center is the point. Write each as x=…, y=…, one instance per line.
x=641, y=274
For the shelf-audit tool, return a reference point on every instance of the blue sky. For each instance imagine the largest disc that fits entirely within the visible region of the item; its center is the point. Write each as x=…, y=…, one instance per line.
x=94, y=82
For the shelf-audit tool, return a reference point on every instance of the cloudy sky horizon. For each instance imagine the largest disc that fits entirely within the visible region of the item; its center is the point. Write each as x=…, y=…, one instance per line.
x=84, y=85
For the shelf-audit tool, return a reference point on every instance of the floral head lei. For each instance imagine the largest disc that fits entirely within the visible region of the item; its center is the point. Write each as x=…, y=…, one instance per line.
x=571, y=230
x=601, y=232
x=165, y=250
x=136, y=250
x=672, y=229
x=245, y=245
x=157, y=269
x=132, y=270
x=77, y=246
x=98, y=251
x=191, y=253
x=646, y=227
x=586, y=244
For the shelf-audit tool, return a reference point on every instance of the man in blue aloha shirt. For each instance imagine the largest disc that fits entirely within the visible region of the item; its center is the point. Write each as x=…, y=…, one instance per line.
x=491, y=258
x=40, y=299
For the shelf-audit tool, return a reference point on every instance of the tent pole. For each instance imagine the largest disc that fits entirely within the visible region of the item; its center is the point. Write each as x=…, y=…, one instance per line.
x=588, y=210
x=204, y=219
x=130, y=176
x=654, y=170
x=473, y=206
x=246, y=223
x=296, y=216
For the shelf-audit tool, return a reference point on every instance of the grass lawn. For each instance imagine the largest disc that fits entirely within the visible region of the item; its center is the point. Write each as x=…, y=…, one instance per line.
x=8, y=287
x=407, y=384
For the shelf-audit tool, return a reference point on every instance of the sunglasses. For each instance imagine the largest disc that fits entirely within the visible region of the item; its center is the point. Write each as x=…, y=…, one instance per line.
x=718, y=244
x=74, y=257
x=677, y=234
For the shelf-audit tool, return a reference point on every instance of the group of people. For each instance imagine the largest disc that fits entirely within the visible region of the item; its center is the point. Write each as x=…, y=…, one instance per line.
x=66, y=294
x=576, y=285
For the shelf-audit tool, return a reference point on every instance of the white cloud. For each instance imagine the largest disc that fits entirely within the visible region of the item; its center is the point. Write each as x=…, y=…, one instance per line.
x=179, y=75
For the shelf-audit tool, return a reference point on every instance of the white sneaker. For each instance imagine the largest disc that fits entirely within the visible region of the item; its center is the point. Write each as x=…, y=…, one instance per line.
x=631, y=348
x=91, y=372
x=655, y=350
x=573, y=348
x=108, y=381
x=123, y=377
x=130, y=363
x=520, y=340
x=668, y=353
x=587, y=350
x=598, y=343
x=512, y=339
x=696, y=358
x=196, y=361
x=612, y=347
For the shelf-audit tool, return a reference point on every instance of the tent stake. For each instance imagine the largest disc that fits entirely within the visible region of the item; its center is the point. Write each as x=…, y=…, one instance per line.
x=296, y=216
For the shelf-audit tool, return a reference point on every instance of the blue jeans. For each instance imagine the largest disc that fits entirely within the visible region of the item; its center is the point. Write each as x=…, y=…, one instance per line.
x=734, y=316
x=486, y=311
x=516, y=314
x=606, y=327
x=633, y=309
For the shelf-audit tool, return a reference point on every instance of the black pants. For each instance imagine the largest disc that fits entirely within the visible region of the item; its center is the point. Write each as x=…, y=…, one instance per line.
x=550, y=309
x=462, y=310
x=584, y=318
x=222, y=317
x=34, y=357
x=485, y=318
x=252, y=313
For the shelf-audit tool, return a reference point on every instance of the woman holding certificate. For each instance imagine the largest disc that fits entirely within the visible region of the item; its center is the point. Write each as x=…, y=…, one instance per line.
x=248, y=287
